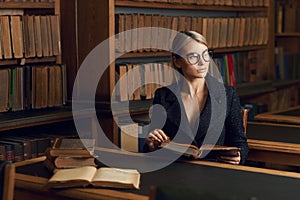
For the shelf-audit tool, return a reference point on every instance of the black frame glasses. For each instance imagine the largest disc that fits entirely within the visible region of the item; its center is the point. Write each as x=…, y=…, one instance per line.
x=194, y=58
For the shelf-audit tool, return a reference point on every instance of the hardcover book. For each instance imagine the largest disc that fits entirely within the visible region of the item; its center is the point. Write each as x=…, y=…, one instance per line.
x=194, y=151
x=89, y=175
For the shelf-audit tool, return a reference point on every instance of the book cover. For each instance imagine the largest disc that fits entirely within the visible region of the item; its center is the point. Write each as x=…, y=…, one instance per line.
x=193, y=151
x=89, y=175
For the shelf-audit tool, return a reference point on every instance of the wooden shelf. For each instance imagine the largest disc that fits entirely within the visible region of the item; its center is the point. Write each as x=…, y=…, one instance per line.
x=255, y=88
x=146, y=54
x=161, y=5
x=285, y=83
x=21, y=119
x=292, y=34
x=29, y=5
x=136, y=107
x=261, y=87
x=24, y=61
x=166, y=54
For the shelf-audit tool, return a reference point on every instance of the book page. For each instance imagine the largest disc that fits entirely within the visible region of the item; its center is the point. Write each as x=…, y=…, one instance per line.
x=217, y=148
x=81, y=173
x=182, y=148
x=116, y=175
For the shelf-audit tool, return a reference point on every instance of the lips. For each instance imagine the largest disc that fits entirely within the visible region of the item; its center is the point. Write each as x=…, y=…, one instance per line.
x=201, y=70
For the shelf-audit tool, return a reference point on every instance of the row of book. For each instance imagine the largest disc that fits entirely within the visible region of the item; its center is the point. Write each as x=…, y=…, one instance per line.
x=17, y=148
x=235, y=68
x=219, y=32
x=287, y=16
x=32, y=87
x=216, y=2
x=286, y=65
x=241, y=67
x=70, y=153
x=29, y=36
x=133, y=80
x=49, y=1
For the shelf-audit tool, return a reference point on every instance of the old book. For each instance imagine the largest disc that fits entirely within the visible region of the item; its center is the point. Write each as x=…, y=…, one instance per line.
x=31, y=40
x=209, y=31
x=140, y=40
x=204, y=27
x=25, y=142
x=16, y=148
x=127, y=33
x=44, y=36
x=181, y=23
x=147, y=67
x=16, y=36
x=38, y=35
x=230, y=32
x=120, y=28
x=129, y=137
x=73, y=143
x=136, y=81
x=134, y=32
x=242, y=31
x=55, y=152
x=48, y=21
x=193, y=151
x=147, y=40
x=215, y=42
x=130, y=80
x=223, y=32
x=51, y=84
x=236, y=34
x=6, y=37
x=154, y=32
x=44, y=86
x=123, y=83
x=72, y=162
x=58, y=86
x=4, y=89
x=55, y=31
x=89, y=175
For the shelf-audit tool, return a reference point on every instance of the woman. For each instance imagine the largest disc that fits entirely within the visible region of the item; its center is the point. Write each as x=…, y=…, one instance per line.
x=189, y=105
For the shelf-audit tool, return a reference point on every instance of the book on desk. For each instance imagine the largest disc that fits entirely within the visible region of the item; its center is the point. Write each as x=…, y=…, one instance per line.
x=101, y=177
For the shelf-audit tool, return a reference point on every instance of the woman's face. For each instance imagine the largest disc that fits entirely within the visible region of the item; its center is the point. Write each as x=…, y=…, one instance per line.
x=195, y=60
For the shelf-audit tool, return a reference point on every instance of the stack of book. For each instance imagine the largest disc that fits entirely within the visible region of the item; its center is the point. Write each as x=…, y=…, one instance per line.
x=70, y=153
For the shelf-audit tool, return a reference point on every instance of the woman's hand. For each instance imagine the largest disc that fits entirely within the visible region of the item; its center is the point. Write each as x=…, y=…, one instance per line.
x=231, y=157
x=155, y=138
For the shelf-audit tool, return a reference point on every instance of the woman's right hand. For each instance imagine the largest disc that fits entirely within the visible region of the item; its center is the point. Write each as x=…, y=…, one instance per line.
x=155, y=138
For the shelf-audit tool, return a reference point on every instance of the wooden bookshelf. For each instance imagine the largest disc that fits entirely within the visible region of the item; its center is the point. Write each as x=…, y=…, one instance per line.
x=182, y=6
x=27, y=119
x=79, y=45
x=27, y=5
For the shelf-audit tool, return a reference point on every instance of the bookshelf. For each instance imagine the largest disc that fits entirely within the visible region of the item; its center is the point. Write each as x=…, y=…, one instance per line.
x=284, y=72
x=101, y=22
x=31, y=103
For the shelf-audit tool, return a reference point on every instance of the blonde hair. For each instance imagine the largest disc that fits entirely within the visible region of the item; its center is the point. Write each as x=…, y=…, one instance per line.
x=184, y=37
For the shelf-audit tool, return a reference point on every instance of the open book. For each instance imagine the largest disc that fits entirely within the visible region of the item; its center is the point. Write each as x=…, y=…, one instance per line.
x=192, y=150
x=89, y=175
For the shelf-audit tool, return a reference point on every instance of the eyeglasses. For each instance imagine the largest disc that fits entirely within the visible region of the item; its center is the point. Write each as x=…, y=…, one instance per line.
x=194, y=58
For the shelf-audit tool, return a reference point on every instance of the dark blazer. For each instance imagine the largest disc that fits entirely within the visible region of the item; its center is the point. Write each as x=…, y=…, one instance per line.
x=220, y=121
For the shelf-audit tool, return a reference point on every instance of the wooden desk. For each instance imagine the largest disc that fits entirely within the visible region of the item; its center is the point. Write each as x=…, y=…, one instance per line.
x=286, y=116
x=274, y=143
x=202, y=177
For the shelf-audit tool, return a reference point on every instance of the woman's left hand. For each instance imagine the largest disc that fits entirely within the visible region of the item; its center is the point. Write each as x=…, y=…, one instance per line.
x=231, y=157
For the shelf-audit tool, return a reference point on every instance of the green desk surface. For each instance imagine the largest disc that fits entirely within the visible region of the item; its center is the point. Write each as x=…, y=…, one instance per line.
x=273, y=132
x=187, y=180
